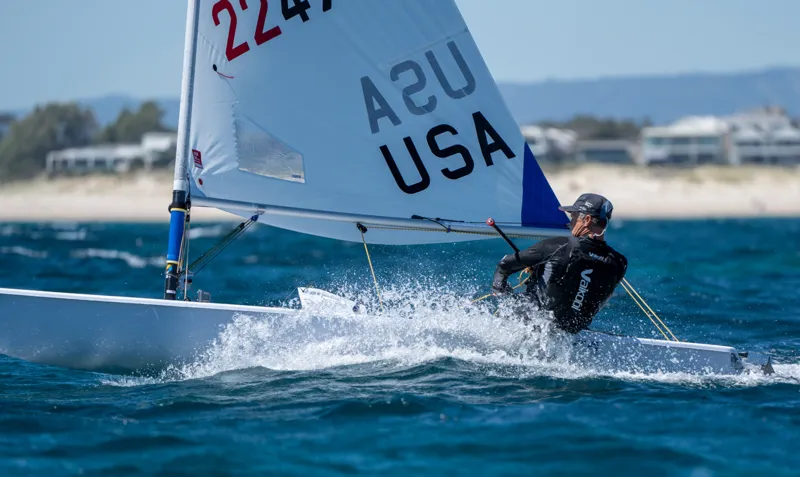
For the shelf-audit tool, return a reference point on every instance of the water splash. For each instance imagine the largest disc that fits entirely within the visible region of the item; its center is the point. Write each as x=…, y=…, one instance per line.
x=416, y=327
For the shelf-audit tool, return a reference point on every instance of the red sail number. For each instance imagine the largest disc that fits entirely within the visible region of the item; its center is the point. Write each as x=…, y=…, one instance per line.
x=234, y=51
x=261, y=35
x=231, y=51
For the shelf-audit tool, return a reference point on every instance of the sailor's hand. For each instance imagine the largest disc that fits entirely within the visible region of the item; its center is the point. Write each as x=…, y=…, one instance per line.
x=503, y=289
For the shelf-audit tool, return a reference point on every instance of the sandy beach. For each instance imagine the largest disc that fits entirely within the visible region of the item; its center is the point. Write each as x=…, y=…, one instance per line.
x=636, y=193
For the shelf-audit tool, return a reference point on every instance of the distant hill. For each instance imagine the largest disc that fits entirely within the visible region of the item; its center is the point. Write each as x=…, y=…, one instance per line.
x=661, y=98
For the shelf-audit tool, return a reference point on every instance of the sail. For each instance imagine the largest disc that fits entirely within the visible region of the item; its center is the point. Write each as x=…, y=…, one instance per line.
x=380, y=109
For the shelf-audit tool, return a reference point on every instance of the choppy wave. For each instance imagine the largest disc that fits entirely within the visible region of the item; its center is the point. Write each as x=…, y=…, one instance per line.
x=63, y=232
x=425, y=385
x=23, y=252
x=207, y=231
x=9, y=230
x=72, y=235
x=132, y=260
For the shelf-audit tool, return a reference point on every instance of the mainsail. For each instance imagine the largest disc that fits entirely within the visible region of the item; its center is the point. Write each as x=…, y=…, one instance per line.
x=324, y=113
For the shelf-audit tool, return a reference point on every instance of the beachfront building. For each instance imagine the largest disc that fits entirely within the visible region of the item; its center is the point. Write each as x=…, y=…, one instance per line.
x=690, y=141
x=606, y=151
x=549, y=144
x=763, y=136
x=155, y=150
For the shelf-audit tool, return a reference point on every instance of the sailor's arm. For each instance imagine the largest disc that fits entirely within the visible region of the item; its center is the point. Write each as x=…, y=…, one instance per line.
x=516, y=262
x=623, y=269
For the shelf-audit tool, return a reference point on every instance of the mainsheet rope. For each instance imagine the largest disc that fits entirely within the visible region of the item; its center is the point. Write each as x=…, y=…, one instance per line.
x=363, y=230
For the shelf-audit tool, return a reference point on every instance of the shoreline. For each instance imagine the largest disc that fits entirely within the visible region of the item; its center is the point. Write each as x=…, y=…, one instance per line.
x=707, y=192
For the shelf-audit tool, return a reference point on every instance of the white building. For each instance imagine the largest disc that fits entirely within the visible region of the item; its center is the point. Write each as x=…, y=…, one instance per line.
x=154, y=149
x=692, y=140
x=765, y=136
x=607, y=151
x=549, y=144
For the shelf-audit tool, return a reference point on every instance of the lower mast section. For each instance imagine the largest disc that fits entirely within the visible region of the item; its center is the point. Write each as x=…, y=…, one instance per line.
x=177, y=221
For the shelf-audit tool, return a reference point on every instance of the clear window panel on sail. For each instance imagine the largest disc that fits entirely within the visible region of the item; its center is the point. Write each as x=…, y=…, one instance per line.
x=264, y=154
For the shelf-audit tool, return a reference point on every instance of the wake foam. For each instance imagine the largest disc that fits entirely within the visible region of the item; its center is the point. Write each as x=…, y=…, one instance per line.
x=418, y=326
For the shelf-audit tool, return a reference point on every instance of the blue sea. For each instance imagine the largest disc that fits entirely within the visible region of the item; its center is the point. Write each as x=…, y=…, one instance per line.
x=362, y=405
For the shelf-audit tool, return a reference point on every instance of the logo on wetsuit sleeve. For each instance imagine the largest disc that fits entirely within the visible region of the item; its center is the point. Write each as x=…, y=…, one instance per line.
x=582, y=289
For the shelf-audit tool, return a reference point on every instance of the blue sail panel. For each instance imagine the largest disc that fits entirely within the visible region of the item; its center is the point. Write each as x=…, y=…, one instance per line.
x=539, y=202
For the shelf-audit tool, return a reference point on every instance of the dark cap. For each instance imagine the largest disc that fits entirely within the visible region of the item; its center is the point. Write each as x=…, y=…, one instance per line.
x=591, y=204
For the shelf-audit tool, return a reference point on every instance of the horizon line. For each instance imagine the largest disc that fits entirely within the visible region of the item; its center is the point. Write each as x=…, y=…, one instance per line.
x=587, y=79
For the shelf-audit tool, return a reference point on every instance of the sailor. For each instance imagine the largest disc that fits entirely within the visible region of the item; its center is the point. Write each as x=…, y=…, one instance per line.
x=572, y=277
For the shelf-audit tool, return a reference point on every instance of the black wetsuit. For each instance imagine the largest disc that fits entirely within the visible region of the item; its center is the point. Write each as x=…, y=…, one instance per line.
x=572, y=277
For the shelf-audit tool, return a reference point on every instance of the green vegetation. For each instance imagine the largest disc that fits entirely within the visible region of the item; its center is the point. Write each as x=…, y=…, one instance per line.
x=590, y=127
x=5, y=123
x=23, y=151
x=131, y=126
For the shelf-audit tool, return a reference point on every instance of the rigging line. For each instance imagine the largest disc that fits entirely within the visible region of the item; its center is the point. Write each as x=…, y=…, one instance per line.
x=210, y=255
x=463, y=232
x=439, y=219
x=521, y=282
x=651, y=310
x=186, y=230
x=625, y=287
x=214, y=251
x=363, y=230
x=646, y=313
x=183, y=258
x=475, y=222
x=182, y=254
x=630, y=292
x=435, y=221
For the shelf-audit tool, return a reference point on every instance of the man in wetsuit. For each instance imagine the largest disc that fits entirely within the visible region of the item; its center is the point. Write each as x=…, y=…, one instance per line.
x=573, y=277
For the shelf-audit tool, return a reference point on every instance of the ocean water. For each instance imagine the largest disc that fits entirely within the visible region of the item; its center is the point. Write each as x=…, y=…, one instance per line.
x=426, y=404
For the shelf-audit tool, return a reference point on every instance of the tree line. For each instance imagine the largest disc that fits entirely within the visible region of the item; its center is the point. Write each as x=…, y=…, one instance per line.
x=24, y=148
x=590, y=127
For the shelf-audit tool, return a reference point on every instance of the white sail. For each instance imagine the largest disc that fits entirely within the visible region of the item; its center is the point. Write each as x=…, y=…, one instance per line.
x=369, y=108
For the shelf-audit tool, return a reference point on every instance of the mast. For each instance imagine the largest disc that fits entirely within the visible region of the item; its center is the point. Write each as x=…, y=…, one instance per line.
x=180, y=186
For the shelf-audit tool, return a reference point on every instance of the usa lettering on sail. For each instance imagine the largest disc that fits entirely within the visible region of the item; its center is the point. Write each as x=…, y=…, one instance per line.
x=379, y=112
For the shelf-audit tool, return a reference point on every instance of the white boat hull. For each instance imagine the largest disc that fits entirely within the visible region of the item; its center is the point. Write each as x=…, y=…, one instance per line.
x=109, y=332
x=121, y=334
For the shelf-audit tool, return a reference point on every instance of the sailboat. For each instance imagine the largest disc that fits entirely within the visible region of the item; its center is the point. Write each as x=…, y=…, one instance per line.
x=355, y=120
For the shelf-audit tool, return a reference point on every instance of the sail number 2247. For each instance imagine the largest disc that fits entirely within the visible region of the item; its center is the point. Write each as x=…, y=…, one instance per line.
x=289, y=8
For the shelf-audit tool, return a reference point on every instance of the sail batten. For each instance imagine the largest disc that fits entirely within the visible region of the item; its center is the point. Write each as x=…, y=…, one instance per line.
x=367, y=109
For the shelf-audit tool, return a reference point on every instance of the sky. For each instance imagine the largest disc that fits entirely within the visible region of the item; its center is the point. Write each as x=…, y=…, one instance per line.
x=76, y=49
